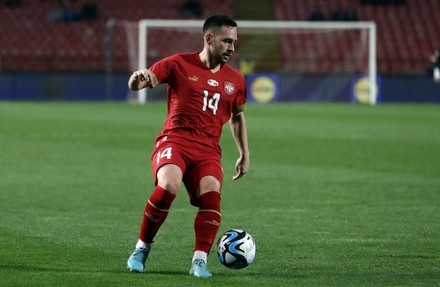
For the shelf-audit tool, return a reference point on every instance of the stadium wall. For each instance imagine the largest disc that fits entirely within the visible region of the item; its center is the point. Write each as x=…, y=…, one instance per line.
x=61, y=87
x=94, y=87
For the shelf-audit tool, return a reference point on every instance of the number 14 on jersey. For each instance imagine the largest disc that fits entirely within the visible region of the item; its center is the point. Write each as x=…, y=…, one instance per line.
x=211, y=103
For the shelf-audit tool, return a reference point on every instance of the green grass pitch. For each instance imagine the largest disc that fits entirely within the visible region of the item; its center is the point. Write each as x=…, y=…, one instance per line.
x=337, y=195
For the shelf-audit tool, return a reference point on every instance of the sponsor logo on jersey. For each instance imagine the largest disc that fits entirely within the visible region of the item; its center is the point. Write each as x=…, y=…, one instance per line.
x=193, y=78
x=229, y=88
x=212, y=83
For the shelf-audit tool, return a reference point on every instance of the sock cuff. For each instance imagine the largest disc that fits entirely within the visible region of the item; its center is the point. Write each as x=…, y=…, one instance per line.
x=199, y=254
x=210, y=202
x=161, y=199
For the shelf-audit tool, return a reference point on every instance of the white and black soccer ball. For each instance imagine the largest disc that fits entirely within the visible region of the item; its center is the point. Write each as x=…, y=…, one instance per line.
x=236, y=249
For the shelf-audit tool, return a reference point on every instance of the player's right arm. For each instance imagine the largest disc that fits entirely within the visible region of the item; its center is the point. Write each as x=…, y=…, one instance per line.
x=141, y=79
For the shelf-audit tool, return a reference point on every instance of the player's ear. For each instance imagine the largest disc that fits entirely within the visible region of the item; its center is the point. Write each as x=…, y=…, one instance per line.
x=208, y=38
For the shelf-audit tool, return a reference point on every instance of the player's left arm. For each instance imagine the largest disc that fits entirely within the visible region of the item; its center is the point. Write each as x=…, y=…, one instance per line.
x=238, y=127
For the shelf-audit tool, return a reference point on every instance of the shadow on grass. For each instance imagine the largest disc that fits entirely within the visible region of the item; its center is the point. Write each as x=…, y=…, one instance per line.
x=27, y=268
x=30, y=268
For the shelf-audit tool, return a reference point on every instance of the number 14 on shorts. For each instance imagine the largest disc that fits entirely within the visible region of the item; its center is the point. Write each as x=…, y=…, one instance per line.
x=166, y=153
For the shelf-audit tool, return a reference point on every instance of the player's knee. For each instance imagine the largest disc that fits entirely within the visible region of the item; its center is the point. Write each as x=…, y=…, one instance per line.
x=172, y=186
x=169, y=177
x=208, y=184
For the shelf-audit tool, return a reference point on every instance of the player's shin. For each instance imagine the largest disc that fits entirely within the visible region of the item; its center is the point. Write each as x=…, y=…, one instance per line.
x=207, y=221
x=156, y=211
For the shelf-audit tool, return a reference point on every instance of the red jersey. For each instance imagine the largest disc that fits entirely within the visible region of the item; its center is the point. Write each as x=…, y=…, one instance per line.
x=200, y=102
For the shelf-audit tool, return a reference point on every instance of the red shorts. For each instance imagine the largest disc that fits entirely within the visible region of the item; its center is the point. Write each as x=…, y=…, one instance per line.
x=195, y=160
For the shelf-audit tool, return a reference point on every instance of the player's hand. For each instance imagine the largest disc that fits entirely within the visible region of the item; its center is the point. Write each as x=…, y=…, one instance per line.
x=241, y=166
x=142, y=75
x=140, y=79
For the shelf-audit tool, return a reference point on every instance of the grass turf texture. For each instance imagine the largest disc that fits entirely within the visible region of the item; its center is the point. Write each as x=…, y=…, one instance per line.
x=337, y=195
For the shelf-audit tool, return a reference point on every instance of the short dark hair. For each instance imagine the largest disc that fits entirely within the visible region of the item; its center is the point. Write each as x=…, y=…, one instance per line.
x=217, y=21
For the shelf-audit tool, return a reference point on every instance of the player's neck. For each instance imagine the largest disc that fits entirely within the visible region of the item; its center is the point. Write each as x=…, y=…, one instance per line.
x=210, y=63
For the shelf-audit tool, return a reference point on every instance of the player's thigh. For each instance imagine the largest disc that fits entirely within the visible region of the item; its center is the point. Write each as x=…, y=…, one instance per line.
x=168, y=167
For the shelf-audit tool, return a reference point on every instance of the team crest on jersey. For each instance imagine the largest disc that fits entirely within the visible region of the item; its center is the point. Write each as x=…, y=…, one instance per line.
x=212, y=83
x=229, y=88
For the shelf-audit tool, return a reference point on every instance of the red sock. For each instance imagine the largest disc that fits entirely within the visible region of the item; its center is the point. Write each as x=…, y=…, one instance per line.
x=207, y=221
x=156, y=211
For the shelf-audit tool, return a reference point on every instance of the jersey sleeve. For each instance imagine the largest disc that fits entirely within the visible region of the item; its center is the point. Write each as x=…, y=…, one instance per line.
x=162, y=69
x=241, y=98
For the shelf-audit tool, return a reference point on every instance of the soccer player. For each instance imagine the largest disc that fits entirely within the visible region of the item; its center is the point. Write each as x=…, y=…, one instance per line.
x=204, y=93
x=434, y=66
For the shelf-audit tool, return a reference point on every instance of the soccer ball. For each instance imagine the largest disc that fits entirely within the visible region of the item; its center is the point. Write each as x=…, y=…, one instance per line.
x=236, y=249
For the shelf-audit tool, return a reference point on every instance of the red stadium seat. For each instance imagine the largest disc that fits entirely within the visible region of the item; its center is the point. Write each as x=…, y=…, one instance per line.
x=79, y=46
x=407, y=34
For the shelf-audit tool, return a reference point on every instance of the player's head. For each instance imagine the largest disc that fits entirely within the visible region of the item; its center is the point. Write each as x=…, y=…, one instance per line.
x=220, y=35
x=214, y=23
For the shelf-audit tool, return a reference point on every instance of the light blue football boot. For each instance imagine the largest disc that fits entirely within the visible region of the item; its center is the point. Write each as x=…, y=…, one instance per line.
x=199, y=269
x=136, y=261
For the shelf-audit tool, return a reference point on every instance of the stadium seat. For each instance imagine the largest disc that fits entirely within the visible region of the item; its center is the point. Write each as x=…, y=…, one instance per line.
x=76, y=46
x=408, y=32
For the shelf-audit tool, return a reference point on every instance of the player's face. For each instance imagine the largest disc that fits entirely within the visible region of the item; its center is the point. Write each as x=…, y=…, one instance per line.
x=223, y=43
